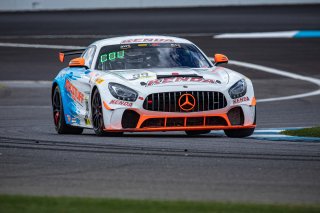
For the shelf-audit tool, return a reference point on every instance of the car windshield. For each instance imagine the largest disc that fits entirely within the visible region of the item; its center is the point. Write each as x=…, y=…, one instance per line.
x=150, y=55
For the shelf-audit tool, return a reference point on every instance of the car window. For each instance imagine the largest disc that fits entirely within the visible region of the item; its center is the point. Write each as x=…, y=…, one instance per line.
x=88, y=55
x=150, y=55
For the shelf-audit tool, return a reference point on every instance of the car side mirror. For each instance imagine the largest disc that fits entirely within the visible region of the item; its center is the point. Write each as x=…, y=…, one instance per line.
x=220, y=59
x=77, y=62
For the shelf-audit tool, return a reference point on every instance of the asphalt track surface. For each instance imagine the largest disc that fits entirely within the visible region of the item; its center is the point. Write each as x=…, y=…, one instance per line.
x=35, y=160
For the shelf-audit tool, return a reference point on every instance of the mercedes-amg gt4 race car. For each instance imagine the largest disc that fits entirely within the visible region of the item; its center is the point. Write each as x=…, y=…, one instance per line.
x=150, y=83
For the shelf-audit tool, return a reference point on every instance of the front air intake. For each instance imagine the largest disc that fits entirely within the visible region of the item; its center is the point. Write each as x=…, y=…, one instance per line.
x=130, y=119
x=236, y=116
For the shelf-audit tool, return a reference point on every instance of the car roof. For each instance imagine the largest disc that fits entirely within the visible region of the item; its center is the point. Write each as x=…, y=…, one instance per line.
x=140, y=39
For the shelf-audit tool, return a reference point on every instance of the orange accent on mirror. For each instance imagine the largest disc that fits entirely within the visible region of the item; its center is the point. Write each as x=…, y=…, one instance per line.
x=61, y=57
x=220, y=58
x=77, y=62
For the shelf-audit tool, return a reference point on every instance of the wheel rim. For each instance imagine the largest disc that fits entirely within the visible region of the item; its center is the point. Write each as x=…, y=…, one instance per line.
x=56, y=108
x=97, y=117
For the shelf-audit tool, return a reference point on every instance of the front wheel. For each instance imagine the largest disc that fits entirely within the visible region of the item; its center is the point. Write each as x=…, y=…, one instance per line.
x=239, y=133
x=97, y=116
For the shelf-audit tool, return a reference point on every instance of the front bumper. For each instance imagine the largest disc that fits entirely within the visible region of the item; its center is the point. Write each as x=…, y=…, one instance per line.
x=140, y=120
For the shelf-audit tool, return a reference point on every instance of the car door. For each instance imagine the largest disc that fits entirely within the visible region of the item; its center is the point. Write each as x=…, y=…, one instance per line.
x=79, y=88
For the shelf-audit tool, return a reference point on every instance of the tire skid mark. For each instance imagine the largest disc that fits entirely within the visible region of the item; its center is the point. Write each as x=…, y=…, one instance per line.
x=134, y=150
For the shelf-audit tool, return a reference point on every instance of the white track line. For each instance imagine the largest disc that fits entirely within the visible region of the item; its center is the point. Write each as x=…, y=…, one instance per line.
x=43, y=46
x=283, y=34
x=26, y=84
x=95, y=36
x=25, y=107
x=237, y=63
x=282, y=73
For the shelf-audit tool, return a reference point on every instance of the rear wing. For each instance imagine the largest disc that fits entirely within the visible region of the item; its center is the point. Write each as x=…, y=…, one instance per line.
x=62, y=54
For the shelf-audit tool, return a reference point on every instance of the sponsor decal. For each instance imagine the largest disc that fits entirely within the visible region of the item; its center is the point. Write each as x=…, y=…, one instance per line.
x=240, y=100
x=75, y=120
x=99, y=80
x=122, y=103
x=127, y=46
x=69, y=118
x=72, y=119
x=93, y=76
x=176, y=45
x=147, y=40
x=87, y=121
x=180, y=79
x=75, y=93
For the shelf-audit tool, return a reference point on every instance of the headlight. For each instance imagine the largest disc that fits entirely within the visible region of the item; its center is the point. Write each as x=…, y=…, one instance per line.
x=238, y=90
x=122, y=92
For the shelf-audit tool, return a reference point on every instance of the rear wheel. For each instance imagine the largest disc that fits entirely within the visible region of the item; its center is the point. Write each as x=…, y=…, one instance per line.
x=97, y=116
x=239, y=133
x=58, y=115
x=197, y=132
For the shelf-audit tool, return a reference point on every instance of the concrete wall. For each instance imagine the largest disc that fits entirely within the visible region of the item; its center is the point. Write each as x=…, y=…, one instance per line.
x=36, y=5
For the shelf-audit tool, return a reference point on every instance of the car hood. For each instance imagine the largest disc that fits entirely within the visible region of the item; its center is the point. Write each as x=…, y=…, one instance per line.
x=174, y=76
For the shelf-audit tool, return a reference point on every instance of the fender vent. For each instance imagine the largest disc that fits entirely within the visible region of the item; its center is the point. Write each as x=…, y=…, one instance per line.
x=130, y=119
x=236, y=116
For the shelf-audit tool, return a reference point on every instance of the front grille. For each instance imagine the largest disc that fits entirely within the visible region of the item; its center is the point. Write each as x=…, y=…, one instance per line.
x=169, y=101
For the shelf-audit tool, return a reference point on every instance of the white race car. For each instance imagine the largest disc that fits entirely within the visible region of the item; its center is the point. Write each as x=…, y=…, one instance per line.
x=150, y=83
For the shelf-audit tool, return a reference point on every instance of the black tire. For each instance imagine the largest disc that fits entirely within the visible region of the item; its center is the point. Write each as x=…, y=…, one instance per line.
x=197, y=132
x=239, y=133
x=97, y=116
x=58, y=115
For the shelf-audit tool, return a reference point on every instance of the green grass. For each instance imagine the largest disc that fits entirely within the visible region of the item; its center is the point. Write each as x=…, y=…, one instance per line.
x=306, y=132
x=34, y=204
